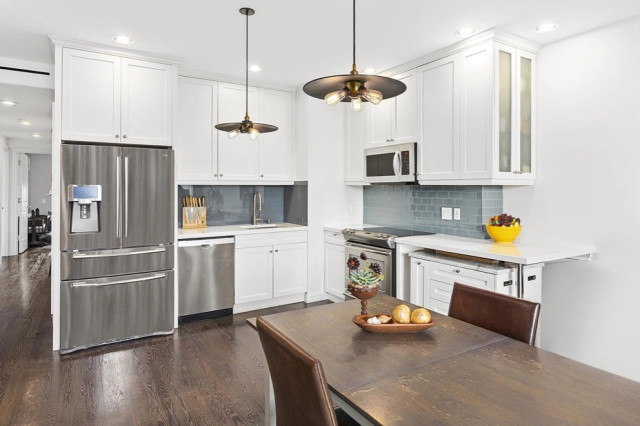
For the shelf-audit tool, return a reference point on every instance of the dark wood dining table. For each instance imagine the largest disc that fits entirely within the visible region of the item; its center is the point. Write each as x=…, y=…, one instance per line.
x=452, y=373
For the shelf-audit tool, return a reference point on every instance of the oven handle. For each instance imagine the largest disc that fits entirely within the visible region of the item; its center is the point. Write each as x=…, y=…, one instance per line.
x=372, y=249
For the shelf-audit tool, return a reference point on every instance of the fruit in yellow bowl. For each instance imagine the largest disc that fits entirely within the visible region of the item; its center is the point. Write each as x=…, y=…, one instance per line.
x=420, y=316
x=401, y=314
x=503, y=228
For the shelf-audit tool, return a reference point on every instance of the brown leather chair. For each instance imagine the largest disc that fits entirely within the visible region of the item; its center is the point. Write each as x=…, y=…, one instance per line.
x=511, y=317
x=300, y=388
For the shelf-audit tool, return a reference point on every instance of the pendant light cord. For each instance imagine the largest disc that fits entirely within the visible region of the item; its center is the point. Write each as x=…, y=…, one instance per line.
x=354, y=34
x=246, y=71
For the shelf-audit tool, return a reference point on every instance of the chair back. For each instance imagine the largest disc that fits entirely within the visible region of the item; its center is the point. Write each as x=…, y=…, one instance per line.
x=511, y=317
x=299, y=385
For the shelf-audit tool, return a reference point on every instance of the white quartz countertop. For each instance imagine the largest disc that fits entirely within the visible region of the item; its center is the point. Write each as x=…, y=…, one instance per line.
x=338, y=227
x=523, y=252
x=233, y=230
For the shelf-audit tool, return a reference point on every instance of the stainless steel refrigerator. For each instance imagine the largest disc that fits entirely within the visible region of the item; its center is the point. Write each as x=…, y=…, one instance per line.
x=117, y=253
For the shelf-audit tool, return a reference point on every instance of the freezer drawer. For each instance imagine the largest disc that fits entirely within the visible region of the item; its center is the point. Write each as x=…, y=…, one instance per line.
x=106, y=310
x=206, y=275
x=104, y=263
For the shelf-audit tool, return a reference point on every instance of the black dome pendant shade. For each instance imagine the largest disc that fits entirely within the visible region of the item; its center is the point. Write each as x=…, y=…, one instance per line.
x=246, y=125
x=353, y=87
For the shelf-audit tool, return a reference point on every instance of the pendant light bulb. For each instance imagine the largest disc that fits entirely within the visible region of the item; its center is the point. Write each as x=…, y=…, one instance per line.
x=253, y=133
x=232, y=134
x=356, y=104
x=334, y=98
x=372, y=96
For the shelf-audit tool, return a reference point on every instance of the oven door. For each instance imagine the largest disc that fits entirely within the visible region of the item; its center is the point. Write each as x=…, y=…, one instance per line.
x=381, y=256
x=396, y=163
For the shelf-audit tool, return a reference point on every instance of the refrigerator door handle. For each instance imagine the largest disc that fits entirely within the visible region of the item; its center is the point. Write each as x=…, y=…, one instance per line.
x=133, y=280
x=118, y=196
x=131, y=253
x=126, y=196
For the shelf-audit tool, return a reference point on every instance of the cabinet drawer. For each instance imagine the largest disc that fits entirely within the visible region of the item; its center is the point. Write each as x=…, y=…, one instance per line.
x=439, y=307
x=451, y=274
x=270, y=239
x=333, y=237
x=440, y=291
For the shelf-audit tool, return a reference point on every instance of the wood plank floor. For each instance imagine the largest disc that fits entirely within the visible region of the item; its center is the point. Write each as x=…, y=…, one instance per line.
x=208, y=372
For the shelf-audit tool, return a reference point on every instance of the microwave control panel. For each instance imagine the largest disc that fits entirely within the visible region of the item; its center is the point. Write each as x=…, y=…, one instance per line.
x=404, y=162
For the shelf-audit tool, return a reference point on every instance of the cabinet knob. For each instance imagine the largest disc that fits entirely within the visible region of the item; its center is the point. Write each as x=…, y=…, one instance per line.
x=117, y=136
x=419, y=263
x=457, y=271
x=221, y=175
x=276, y=250
x=261, y=175
x=215, y=175
x=270, y=251
x=124, y=137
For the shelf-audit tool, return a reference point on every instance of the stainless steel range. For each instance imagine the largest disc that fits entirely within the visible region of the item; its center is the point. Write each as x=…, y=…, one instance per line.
x=378, y=245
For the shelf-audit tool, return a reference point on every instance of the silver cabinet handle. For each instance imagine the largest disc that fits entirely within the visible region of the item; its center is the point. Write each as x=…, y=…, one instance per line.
x=261, y=175
x=117, y=136
x=126, y=196
x=92, y=255
x=124, y=137
x=221, y=175
x=134, y=280
x=215, y=175
x=270, y=251
x=276, y=250
x=118, y=159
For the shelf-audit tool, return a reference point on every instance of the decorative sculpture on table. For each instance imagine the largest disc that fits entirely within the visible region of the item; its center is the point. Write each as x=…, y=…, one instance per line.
x=364, y=279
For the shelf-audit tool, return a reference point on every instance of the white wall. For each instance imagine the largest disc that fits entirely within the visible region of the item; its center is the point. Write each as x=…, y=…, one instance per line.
x=40, y=182
x=588, y=191
x=330, y=200
x=4, y=195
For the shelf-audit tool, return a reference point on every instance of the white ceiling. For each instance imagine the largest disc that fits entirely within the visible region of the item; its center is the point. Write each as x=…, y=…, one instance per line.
x=35, y=106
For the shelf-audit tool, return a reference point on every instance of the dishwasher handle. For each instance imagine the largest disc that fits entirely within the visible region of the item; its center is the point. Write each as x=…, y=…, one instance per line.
x=210, y=242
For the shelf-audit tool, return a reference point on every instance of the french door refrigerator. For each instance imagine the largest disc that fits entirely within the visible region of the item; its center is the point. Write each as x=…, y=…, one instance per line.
x=116, y=242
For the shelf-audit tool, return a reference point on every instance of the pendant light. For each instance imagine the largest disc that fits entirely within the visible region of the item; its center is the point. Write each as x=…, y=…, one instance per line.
x=353, y=87
x=246, y=125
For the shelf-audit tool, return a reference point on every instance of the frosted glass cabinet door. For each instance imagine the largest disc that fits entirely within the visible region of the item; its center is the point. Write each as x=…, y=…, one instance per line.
x=506, y=103
x=238, y=158
x=526, y=72
x=90, y=97
x=196, y=140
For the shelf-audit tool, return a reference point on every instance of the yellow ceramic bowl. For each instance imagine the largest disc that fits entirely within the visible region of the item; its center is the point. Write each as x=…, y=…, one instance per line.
x=503, y=234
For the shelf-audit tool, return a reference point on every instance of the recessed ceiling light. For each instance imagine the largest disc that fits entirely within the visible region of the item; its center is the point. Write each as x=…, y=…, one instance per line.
x=255, y=68
x=548, y=27
x=24, y=122
x=122, y=39
x=465, y=32
x=7, y=102
x=369, y=71
x=35, y=135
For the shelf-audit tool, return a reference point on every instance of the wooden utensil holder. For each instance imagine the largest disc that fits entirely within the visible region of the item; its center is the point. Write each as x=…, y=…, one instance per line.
x=194, y=217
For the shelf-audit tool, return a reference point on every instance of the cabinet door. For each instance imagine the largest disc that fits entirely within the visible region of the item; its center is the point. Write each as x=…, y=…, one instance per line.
x=476, y=112
x=254, y=274
x=147, y=102
x=526, y=147
x=356, y=134
x=505, y=86
x=405, y=113
x=289, y=269
x=438, y=90
x=276, y=148
x=196, y=140
x=334, y=269
x=238, y=158
x=379, y=117
x=419, y=283
x=90, y=97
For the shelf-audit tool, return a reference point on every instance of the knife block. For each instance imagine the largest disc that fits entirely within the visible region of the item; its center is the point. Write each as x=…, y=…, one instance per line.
x=194, y=217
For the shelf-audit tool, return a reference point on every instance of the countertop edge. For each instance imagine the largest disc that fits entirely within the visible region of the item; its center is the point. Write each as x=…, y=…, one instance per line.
x=228, y=231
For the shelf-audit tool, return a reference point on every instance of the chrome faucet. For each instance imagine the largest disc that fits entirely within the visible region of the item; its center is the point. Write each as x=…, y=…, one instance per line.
x=257, y=208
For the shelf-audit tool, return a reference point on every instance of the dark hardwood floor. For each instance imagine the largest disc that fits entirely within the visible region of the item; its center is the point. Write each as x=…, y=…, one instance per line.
x=208, y=372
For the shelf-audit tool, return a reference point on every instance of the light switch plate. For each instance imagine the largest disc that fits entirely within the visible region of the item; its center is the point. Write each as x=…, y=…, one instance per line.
x=447, y=213
x=456, y=213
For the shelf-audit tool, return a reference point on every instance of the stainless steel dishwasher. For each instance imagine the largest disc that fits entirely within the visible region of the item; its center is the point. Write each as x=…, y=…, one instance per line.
x=206, y=278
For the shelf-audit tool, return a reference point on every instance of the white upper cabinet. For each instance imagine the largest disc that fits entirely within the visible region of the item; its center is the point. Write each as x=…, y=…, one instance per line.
x=355, y=137
x=109, y=99
x=276, y=148
x=477, y=117
x=393, y=121
x=196, y=140
x=239, y=158
x=90, y=96
x=147, y=102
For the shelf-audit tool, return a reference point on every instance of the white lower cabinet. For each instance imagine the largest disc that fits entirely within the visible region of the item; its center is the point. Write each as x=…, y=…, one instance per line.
x=270, y=269
x=334, y=265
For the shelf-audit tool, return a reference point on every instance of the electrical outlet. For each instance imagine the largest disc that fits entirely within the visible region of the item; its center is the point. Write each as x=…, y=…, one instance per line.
x=447, y=213
x=456, y=213
x=44, y=201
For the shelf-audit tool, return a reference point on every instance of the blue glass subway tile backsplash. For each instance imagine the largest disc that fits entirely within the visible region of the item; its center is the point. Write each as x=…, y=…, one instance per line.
x=418, y=207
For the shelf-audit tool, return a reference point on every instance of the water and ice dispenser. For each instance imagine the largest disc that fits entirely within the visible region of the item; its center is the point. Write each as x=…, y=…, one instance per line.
x=84, y=203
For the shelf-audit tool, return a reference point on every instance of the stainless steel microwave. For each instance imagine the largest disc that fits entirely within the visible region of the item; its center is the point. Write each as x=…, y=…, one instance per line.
x=389, y=164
